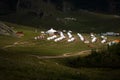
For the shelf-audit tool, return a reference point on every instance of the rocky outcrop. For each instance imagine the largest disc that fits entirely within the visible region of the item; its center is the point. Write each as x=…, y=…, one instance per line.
x=6, y=30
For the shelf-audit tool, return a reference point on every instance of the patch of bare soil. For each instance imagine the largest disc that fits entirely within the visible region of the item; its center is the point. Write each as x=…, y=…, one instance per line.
x=82, y=53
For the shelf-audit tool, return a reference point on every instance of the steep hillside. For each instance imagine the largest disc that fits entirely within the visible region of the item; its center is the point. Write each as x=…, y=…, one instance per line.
x=83, y=21
x=20, y=58
x=5, y=30
x=24, y=58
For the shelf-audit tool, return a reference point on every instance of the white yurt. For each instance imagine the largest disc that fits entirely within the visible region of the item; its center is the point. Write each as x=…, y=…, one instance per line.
x=51, y=31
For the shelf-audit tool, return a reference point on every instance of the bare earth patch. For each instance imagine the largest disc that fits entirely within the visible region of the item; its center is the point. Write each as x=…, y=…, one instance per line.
x=82, y=53
x=19, y=43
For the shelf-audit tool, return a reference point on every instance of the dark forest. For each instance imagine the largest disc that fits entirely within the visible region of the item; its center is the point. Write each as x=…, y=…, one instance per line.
x=106, y=6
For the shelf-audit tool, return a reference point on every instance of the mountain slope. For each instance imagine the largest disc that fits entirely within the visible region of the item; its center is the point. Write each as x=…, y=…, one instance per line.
x=5, y=30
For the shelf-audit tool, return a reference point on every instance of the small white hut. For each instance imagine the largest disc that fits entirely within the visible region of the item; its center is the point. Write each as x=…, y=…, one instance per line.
x=51, y=31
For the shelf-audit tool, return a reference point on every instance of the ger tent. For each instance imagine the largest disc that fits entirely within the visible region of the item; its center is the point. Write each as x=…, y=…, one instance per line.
x=51, y=31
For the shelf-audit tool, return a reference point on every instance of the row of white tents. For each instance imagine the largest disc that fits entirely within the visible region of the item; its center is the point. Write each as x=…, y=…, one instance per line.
x=70, y=37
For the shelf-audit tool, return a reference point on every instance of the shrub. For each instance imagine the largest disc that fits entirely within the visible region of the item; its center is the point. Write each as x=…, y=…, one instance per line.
x=105, y=58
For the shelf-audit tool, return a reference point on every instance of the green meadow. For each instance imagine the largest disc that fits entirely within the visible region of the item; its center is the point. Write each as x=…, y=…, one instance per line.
x=19, y=57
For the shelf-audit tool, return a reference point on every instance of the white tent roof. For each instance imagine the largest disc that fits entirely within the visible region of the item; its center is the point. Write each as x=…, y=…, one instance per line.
x=51, y=31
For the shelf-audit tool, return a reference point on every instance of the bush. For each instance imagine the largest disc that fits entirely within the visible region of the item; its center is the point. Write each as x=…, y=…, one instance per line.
x=106, y=58
x=114, y=49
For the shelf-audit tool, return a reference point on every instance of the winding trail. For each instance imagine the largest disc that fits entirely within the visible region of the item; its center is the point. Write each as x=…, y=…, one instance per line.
x=82, y=53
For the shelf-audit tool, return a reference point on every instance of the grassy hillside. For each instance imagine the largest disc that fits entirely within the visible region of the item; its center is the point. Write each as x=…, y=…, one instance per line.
x=85, y=21
x=27, y=44
x=25, y=67
x=19, y=57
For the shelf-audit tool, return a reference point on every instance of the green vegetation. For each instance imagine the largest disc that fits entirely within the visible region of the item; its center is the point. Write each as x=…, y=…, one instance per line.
x=19, y=57
x=25, y=67
x=27, y=44
x=85, y=21
x=107, y=58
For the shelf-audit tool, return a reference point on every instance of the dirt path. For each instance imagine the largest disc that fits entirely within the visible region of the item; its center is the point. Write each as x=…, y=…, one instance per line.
x=16, y=43
x=82, y=53
x=12, y=45
x=7, y=46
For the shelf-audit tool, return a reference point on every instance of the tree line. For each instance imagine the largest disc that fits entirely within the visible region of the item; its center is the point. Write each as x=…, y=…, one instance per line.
x=110, y=6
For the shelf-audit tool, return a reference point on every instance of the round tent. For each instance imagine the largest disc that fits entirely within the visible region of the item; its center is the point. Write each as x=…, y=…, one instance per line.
x=51, y=31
